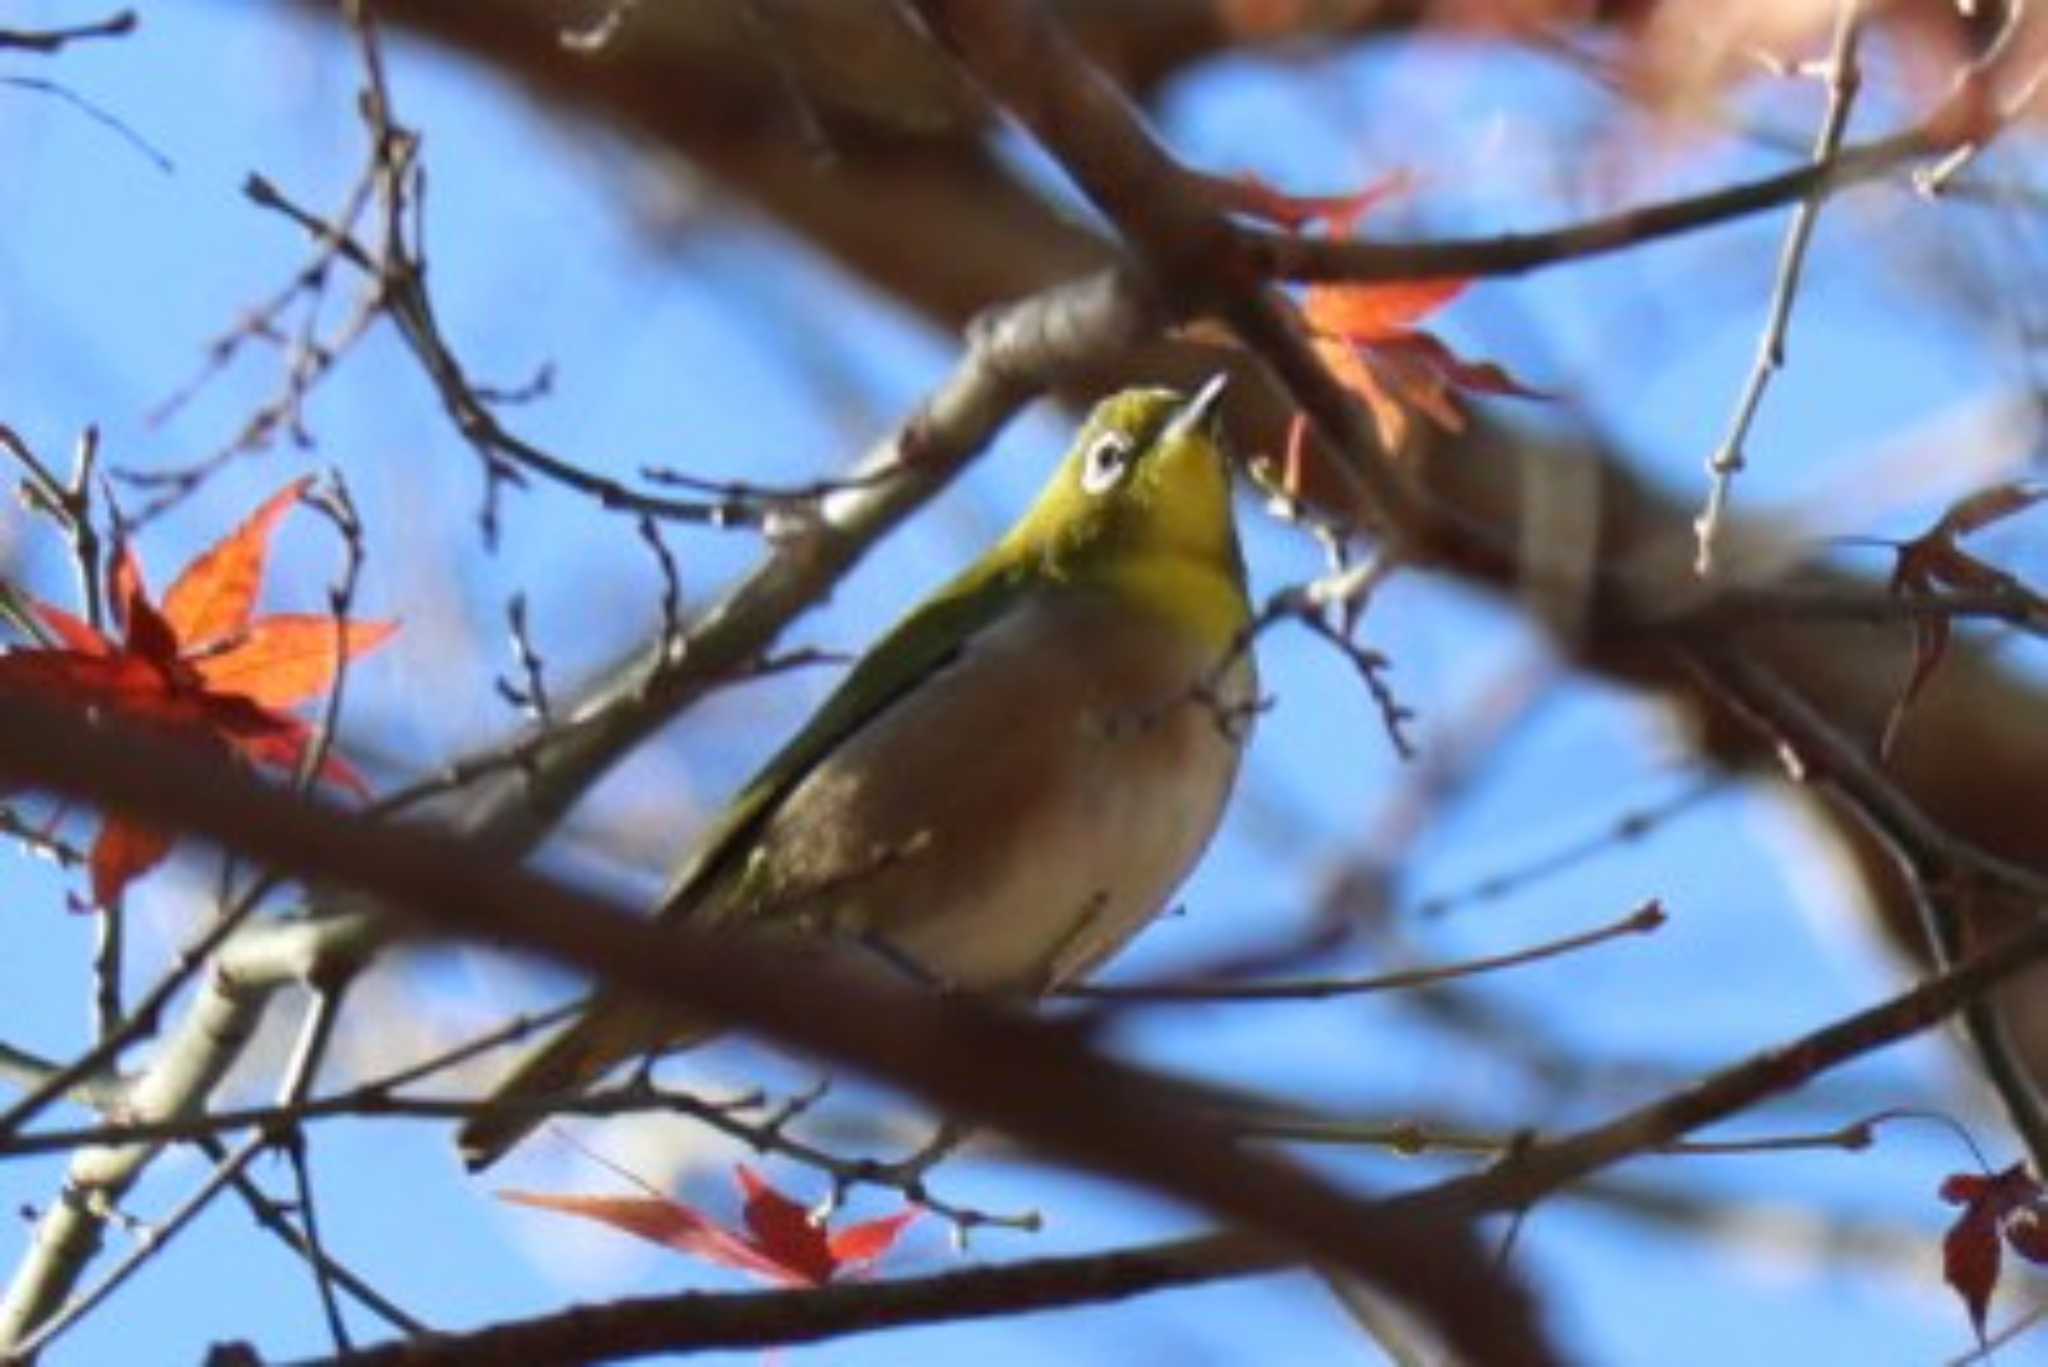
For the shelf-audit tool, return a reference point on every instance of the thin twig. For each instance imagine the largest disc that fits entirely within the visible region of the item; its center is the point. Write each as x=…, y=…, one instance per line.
x=104, y=117
x=1642, y=921
x=1411, y=1139
x=531, y=695
x=1633, y=825
x=671, y=586
x=116, y=25
x=314, y=1036
x=108, y=934
x=1844, y=75
x=339, y=507
x=23, y=1069
x=269, y=1216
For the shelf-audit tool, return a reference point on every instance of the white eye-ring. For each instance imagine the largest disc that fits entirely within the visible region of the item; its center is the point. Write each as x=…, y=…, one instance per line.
x=1107, y=461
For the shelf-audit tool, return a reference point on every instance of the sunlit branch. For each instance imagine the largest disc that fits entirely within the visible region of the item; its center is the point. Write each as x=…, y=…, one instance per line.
x=24, y=1348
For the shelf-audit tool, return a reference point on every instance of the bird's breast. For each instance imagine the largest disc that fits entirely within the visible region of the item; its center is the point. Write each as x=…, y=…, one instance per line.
x=1020, y=814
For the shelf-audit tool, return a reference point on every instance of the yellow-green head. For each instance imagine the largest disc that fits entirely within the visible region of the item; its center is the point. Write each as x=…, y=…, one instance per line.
x=1142, y=506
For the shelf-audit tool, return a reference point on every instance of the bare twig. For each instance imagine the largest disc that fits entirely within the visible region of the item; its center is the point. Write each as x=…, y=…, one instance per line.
x=671, y=587
x=339, y=507
x=105, y=118
x=1412, y=1139
x=315, y=1033
x=39, y=839
x=1844, y=75
x=25, y=1070
x=1630, y=826
x=1642, y=921
x=532, y=694
x=140, y=1023
x=116, y=25
x=69, y=504
x=269, y=1216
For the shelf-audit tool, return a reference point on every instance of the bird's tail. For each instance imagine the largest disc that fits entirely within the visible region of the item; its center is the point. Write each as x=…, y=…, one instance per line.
x=606, y=1035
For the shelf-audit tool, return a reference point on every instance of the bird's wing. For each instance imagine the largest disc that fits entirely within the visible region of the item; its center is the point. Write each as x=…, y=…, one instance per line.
x=918, y=647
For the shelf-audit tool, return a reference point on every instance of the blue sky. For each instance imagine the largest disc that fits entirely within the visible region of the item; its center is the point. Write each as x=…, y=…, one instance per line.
x=723, y=347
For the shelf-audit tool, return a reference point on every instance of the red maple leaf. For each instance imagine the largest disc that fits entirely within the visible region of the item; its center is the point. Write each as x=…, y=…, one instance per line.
x=1367, y=334
x=2008, y=1203
x=201, y=669
x=780, y=1241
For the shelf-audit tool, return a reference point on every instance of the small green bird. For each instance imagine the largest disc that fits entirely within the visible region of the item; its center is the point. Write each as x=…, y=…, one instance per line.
x=1012, y=782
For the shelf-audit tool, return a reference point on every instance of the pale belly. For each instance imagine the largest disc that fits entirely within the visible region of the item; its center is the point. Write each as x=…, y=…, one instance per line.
x=1025, y=812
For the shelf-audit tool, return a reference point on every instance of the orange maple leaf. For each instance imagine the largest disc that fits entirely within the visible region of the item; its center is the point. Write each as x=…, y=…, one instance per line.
x=1367, y=336
x=780, y=1243
x=201, y=670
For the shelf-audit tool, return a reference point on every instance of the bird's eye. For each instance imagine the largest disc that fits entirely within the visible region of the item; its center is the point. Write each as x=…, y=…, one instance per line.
x=1107, y=461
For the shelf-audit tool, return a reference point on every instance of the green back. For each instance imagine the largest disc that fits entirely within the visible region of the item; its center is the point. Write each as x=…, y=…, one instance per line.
x=919, y=645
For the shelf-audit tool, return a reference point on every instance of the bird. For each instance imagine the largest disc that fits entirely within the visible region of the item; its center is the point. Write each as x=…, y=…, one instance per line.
x=1012, y=782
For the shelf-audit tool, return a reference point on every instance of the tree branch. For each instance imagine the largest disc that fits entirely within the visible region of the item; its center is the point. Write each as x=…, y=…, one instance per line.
x=973, y=1060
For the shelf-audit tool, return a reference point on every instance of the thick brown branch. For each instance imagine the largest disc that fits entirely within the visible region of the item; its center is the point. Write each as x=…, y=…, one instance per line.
x=983, y=1064
x=629, y=1328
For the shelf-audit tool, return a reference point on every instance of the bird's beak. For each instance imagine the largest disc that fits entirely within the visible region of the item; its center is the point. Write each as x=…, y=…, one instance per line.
x=1199, y=409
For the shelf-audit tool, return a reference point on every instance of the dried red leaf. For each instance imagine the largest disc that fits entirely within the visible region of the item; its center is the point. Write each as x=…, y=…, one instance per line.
x=1987, y=506
x=199, y=672
x=668, y=1223
x=1932, y=562
x=284, y=750
x=784, y=1231
x=782, y=1243
x=2008, y=1204
x=282, y=661
x=145, y=632
x=1366, y=315
x=123, y=851
x=2026, y=1231
x=76, y=633
x=1254, y=197
x=1366, y=334
x=858, y=1247
x=213, y=598
x=124, y=582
